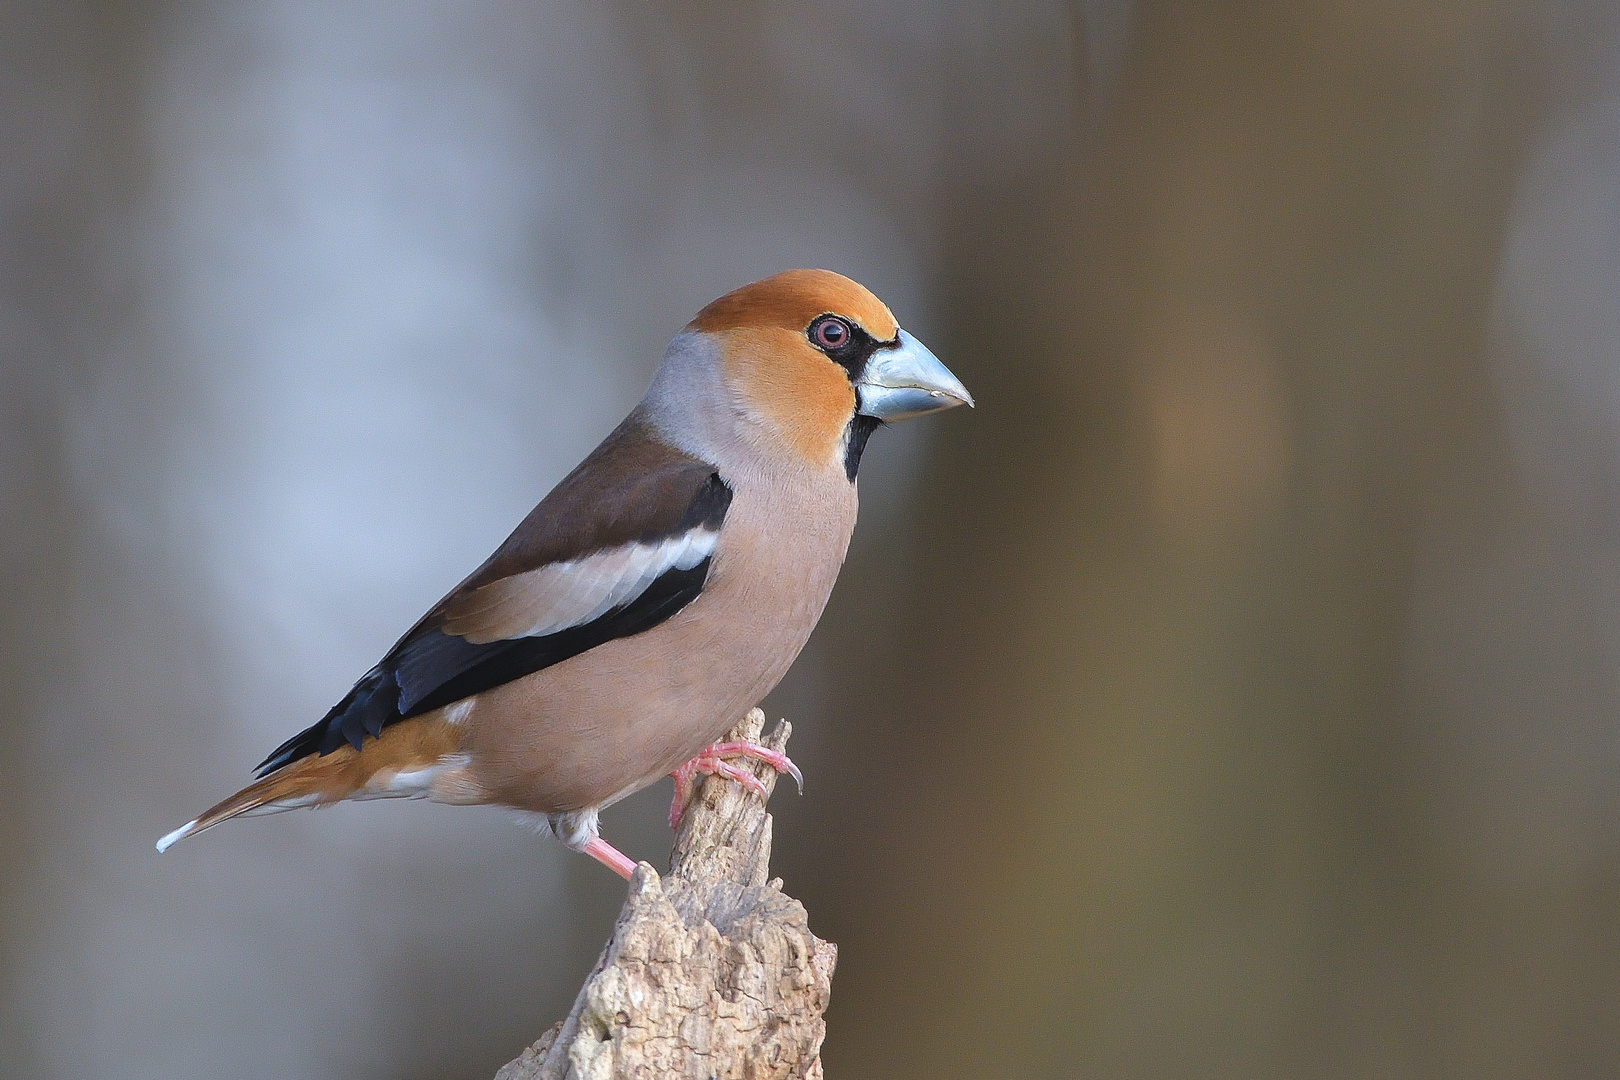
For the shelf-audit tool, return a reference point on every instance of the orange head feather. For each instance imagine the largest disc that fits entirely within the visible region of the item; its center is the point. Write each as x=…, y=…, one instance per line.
x=768, y=359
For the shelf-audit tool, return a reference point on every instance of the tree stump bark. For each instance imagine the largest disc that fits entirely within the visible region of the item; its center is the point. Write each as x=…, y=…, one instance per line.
x=712, y=972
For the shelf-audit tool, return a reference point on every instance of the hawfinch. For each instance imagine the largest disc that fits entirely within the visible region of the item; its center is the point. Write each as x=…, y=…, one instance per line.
x=658, y=593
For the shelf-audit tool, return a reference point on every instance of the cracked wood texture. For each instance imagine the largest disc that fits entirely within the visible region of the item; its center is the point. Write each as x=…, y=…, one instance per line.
x=712, y=972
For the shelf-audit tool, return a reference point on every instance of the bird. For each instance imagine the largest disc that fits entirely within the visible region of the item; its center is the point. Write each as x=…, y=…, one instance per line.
x=659, y=591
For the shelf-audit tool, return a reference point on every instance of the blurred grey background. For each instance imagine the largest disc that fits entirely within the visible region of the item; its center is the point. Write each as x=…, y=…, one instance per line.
x=1232, y=695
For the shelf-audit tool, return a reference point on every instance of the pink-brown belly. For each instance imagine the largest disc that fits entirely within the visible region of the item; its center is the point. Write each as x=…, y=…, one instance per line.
x=616, y=718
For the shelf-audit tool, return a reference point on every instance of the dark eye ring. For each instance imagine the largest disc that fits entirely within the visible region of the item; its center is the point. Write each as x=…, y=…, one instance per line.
x=830, y=332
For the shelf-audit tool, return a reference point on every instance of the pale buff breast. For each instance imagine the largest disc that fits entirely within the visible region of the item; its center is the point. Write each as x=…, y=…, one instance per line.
x=612, y=720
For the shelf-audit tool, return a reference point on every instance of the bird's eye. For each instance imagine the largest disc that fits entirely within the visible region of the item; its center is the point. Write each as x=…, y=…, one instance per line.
x=830, y=332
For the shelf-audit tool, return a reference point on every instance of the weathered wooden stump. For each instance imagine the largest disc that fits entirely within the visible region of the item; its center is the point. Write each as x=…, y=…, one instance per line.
x=712, y=972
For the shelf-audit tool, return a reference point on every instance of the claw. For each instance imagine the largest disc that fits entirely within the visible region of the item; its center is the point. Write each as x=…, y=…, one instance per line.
x=713, y=762
x=740, y=775
x=774, y=758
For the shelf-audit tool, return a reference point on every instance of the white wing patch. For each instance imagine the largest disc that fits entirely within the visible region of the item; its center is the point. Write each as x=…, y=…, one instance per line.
x=424, y=782
x=572, y=593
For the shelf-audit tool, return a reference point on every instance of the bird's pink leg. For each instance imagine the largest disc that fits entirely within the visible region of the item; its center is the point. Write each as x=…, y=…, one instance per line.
x=610, y=857
x=713, y=762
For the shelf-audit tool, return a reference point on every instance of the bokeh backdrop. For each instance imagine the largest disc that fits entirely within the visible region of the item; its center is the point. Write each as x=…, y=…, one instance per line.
x=1233, y=694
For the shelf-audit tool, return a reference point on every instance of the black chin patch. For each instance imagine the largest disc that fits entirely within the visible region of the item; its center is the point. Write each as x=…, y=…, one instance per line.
x=861, y=427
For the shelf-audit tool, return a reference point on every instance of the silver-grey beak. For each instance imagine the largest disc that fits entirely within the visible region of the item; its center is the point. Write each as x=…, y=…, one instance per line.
x=907, y=381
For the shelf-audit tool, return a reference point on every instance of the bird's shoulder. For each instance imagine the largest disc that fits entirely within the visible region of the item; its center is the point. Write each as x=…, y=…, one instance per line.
x=633, y=488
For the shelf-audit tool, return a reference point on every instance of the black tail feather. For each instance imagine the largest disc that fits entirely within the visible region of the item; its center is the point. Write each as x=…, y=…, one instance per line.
x=365, y=710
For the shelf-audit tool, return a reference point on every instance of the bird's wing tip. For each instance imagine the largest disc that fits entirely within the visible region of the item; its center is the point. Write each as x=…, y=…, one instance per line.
x=178, y=835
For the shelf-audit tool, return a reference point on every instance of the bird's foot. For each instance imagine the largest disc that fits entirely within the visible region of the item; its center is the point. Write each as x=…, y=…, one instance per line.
x=609, y=856
x=717, y=761
x=577, y=829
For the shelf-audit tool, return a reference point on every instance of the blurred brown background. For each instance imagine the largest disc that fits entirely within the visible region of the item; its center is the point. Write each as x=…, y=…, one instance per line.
x=1232, y=695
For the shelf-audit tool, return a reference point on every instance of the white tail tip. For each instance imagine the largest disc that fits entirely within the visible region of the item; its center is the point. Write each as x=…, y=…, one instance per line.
x=178, y=835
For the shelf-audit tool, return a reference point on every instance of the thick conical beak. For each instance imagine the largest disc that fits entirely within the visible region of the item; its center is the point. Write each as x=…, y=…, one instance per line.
x=907, y=381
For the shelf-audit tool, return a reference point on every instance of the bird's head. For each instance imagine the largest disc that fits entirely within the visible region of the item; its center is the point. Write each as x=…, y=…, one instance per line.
x=819, y=361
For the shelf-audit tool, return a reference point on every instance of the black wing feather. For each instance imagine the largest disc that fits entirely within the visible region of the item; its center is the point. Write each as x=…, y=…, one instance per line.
x=470, y=669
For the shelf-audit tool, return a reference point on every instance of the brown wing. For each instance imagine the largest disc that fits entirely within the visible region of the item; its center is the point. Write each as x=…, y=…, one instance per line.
x=624, y=542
